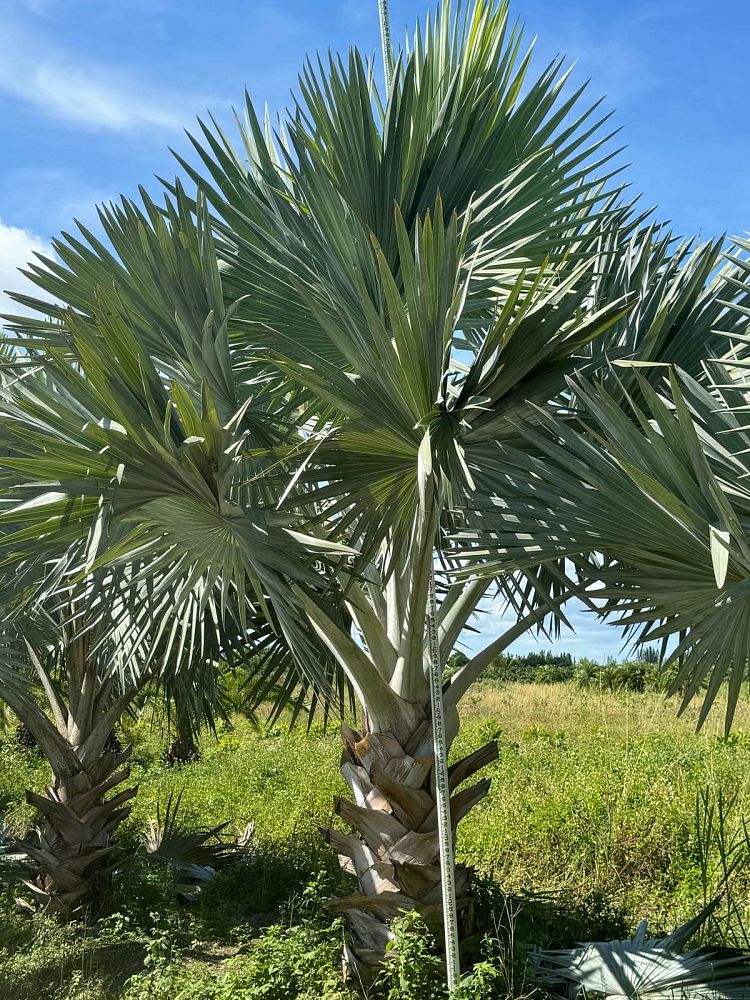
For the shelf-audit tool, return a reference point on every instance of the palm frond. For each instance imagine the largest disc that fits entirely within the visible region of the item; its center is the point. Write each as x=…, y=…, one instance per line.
x=664, y=499
x=643, y=967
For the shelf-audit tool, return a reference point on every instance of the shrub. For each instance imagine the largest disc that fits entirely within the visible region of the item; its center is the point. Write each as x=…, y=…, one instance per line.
x=587, y=674
x=553, y=673
x=544, y=666
x=413, y=970
x=286, y=963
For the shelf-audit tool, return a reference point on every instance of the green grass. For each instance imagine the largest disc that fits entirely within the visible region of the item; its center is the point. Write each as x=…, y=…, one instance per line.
x=617, y=818
x=19, y=770
x=283, y=781
x=592, y=803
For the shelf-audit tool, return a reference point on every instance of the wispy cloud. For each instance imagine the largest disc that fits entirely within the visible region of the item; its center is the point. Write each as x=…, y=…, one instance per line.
x=84, y=99
x=609, y=53
x=17, y=247
x=86, y=94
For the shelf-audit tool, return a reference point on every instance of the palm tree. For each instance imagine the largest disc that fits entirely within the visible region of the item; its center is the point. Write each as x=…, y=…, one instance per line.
x=299, y=385
x=97, y=611
x=71, y=712
x=74, y=656
x=83, y=637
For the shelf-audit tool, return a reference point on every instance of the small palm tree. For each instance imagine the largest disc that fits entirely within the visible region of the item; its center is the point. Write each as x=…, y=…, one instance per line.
x=71, y=663
x=92, y=629
x=69, y=858
x=309, y=386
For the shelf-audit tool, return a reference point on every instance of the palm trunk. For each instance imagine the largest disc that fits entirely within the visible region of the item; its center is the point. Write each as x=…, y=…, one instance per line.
x=73, y=852
x=183, y=749
x=393, y=848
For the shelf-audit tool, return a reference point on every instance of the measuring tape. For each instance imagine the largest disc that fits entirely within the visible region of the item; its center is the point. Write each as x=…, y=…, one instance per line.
x=443, y=796
x=385, y=41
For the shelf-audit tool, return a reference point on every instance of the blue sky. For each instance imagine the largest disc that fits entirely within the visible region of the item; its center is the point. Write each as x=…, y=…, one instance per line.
x=93, y=92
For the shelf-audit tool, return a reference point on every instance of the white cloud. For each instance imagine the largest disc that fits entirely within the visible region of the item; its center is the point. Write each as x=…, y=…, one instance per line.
x=17, y=246
x=86, y=99
x=92, y=98
x=88, y=95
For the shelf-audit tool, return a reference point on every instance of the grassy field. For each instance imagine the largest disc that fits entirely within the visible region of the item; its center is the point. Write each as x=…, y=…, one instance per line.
x=593, y=805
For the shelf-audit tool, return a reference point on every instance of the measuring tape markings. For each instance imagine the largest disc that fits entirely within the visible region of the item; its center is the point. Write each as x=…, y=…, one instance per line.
x=442, y=795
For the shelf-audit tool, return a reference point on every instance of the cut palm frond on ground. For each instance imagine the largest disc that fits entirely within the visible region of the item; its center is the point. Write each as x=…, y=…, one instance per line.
x=643, y=968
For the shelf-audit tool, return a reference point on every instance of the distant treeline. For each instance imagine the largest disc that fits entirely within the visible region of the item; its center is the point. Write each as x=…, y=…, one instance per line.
x=546, y=667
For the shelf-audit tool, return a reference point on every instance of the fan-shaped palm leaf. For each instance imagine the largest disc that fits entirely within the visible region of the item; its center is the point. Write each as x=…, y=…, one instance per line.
x=643, y=968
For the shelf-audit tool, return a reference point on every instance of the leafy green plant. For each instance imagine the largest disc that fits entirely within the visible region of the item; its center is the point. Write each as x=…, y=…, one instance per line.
x=723, y=844
x=300, y=962
x=587, y=674
x=194, y=854
x=553, y=673
x=413, y=970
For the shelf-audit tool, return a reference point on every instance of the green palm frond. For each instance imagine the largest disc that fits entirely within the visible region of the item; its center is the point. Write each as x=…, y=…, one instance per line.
x=169, y=841
x=689, y=301
x=123, y=475
x=158, y=274
x=666, y=501
x=297, y=207
x=16, y=674
x=193, y=853
x=134, y=452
